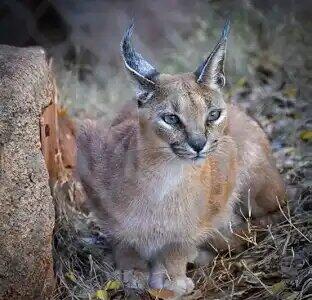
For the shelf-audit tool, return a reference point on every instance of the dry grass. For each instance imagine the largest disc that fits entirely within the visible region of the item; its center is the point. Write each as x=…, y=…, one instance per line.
x=277, y=264
x=276, y=267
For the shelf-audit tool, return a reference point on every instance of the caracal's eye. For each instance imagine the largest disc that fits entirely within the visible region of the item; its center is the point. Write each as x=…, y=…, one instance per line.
x=213, y=115
x=171, y=119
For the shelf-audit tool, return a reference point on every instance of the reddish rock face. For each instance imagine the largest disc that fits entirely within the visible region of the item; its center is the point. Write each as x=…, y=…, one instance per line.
x=26, y=204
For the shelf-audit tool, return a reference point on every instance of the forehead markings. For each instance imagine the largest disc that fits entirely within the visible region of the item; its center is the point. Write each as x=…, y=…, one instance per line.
x=188, y=100
x=197, y=102
x=176, y=105
x=184, y=95
x=187, y=91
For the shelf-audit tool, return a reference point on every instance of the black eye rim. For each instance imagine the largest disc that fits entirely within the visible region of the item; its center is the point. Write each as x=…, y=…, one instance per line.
x=175, y=120
x=211, y=118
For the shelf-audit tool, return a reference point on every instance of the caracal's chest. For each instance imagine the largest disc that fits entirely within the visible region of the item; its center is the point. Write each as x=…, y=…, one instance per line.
x=177, y=204
x=165, y=209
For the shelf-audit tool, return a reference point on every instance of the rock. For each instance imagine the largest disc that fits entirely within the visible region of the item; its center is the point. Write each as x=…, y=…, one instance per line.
x=26, y=204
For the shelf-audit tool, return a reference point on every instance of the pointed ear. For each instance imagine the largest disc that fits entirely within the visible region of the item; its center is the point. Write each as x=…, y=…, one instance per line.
x=143, y=73
x=211, y=71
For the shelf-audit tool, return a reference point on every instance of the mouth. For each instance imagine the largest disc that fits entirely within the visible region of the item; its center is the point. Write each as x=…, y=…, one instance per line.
x=185, y=154
x=189, y=154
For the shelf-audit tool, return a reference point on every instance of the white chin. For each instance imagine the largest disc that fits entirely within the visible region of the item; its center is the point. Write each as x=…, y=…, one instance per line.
x=198, y=160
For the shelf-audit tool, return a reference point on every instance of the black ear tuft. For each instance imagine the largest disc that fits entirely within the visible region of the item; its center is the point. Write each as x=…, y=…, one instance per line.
x=226, y=30
x=211, y=71
x=141, y=71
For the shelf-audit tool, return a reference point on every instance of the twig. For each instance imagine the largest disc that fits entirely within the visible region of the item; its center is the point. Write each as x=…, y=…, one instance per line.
x=290, y=222
x=256, y=277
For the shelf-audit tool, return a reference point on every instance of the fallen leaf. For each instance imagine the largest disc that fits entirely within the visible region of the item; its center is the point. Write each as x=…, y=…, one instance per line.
x=306, y=135
x=241, y=82
x=71, y=276
x=278, y=287
x=112, y=285
x=101, y=294
x=290, y=92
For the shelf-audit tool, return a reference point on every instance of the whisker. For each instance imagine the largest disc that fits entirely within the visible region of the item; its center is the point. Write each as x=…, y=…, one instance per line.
x=147, y=149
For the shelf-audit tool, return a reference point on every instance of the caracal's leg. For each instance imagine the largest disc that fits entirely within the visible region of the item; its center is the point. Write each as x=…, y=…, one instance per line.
x=127, y=258
x=168, y=270
x=132, y=268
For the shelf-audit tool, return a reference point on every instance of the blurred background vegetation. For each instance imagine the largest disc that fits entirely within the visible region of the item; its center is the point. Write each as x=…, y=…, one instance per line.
x=83, y=37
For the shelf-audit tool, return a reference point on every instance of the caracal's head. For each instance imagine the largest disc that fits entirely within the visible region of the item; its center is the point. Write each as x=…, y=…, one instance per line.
x=183, y=114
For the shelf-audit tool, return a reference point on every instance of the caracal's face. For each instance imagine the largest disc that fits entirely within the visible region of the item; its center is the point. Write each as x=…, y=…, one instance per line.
x=185, y=118
x=184, y=114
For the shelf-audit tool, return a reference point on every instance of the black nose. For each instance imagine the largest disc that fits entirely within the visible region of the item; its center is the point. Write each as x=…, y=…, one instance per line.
x=197, y=143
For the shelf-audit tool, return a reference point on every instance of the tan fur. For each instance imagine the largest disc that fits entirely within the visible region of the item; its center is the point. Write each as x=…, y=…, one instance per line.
x=161, y=206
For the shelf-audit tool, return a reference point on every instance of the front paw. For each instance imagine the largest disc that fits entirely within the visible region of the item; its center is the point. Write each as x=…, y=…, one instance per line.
x=179, y=285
